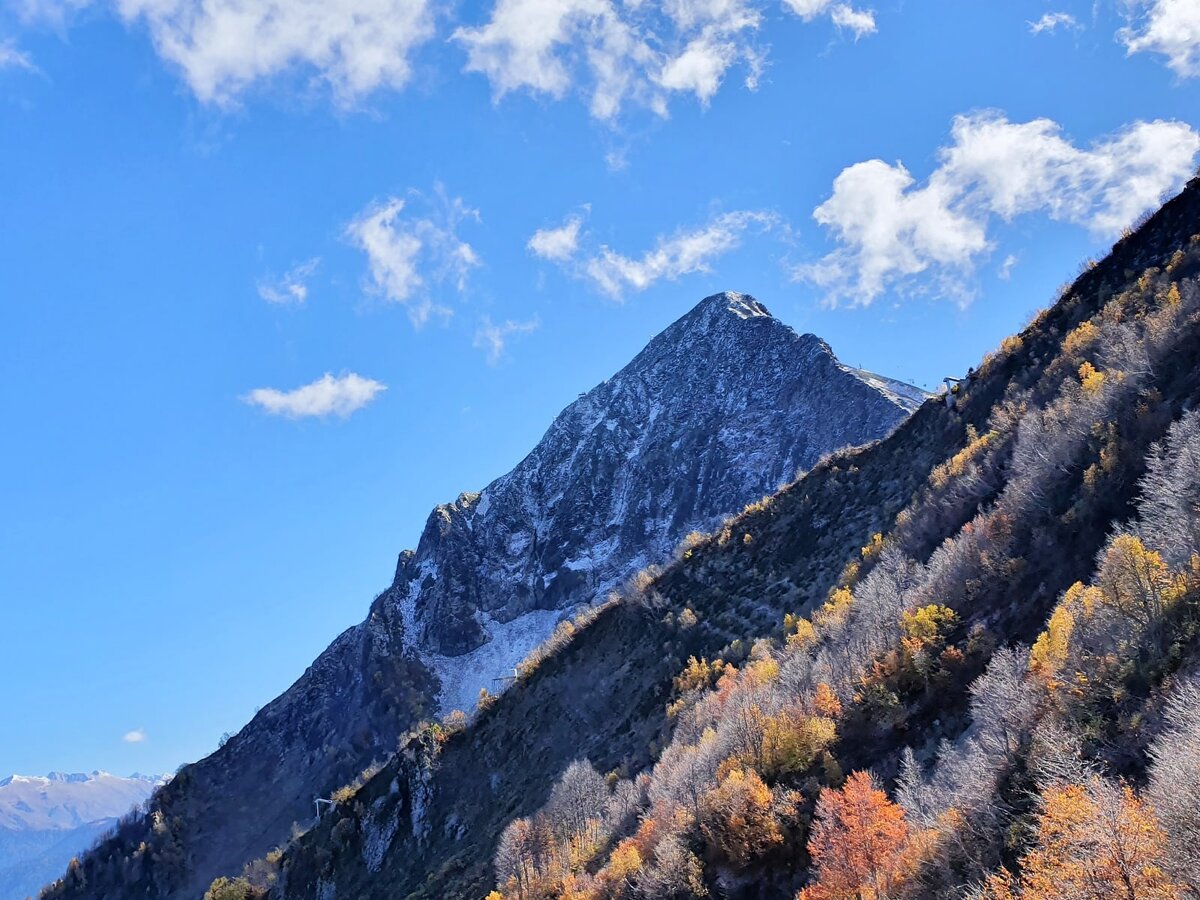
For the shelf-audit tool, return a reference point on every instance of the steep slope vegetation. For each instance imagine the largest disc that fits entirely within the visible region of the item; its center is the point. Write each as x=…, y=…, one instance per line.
x=725, y=405
x=903, y=570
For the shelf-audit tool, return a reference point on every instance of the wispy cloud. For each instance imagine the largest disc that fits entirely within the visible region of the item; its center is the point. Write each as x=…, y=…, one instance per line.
x=292, y=288
x=892, y=231
x=137, y=736
x=405, y=254
x=12, y=58
x=492, y=338
x=329, y=395
x=674, y=256
x=1170, y=28
x=1052, y=21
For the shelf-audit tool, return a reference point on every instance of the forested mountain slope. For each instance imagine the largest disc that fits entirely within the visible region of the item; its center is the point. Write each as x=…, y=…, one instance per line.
x=991, y=605
x=725, y=405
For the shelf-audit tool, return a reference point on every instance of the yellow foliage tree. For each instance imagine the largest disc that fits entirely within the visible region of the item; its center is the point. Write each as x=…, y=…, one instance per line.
x=1050, y=650
x=736, y=817
x=835, y=611
x=1090, y=378
x=1136, y=582
x=1094, y=841
x=800, y=632
x=792, y=742
x=924, y=633
x=1081, y=338
x=926, y=628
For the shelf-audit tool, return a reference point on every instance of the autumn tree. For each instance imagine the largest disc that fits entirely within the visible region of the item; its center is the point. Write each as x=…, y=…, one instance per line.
x=924, y=635
x=233, y=889
x=1052, y=647
x=737, y=818
x=623, y=866
x=1094, y=841
x=792, y=741
x=1135, y=581
x=826, y=702
x=858, y=843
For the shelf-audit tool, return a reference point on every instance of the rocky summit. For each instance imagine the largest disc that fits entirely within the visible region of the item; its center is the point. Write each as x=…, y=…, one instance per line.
x=727, y=404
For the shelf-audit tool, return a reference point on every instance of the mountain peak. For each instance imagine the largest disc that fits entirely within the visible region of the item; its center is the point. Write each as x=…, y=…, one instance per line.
x=721, y=310
x=743, y=306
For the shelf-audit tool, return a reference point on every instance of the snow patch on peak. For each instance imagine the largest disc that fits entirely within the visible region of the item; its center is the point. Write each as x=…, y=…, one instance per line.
x=744, y=306
x=728, y=304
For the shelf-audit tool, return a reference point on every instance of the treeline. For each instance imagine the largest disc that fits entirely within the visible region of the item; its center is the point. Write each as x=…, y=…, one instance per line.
x=919, y=734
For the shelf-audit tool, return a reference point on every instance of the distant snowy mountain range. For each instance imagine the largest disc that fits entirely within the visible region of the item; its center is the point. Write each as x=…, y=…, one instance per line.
x=46, y=820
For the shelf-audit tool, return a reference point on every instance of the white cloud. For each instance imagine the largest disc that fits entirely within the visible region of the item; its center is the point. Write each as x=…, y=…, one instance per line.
x=1170, y=28
x=405, y=254
x=12, y=58
x=628, y=53
x=891, y=229
x=137, y=736
x=699, y=68
x=809, y=9
x=615, y=52
x=292, y=288
x=557, y=244
x=492, y=338
x=1052, y=21
x=681, y=254
x=224, y=47
x=329, y=395
x=860, y=21
x=1004, y=272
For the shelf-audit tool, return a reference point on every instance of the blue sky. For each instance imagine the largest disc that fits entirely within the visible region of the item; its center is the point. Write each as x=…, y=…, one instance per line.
x=465, y=217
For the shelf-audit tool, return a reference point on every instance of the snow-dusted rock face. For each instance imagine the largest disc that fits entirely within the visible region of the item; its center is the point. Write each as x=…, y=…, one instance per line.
x=725, y=405
x=45, y=820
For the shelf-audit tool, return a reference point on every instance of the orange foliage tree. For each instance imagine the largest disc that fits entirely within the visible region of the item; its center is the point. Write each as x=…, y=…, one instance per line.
x=859, y=843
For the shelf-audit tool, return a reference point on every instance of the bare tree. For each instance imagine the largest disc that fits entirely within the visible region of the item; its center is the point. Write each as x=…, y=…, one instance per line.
x=579, y=798
x=1175, y=782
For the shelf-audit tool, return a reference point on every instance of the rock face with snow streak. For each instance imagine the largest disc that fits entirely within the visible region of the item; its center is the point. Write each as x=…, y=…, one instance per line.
x=44, y=821
x=727, y=404
x=722, y=407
